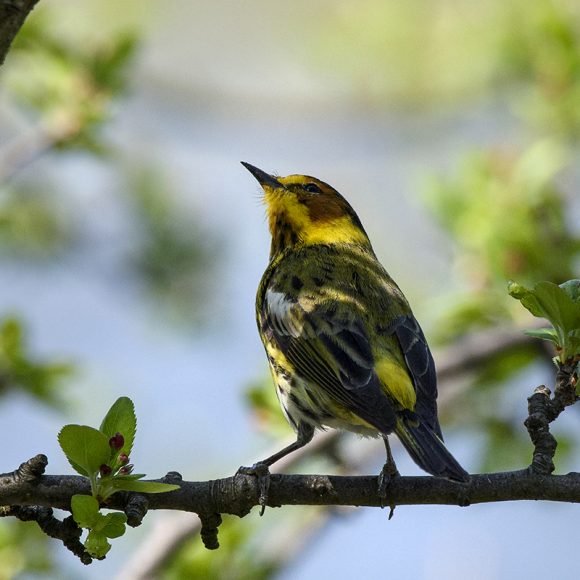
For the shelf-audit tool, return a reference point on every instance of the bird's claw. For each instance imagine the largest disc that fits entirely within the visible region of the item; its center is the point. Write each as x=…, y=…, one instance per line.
x=262, y=473
x=386, y=476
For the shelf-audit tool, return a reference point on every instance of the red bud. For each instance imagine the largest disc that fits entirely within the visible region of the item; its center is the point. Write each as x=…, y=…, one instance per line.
x=123, y=458
x=126, y=469
x=117, y=441
x=105, y=470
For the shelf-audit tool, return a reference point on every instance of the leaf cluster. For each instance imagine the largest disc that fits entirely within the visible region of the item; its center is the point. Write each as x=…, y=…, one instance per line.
x=102, y=455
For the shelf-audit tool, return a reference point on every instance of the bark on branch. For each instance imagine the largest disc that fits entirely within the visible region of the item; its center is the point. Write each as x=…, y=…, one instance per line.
x=238, y=494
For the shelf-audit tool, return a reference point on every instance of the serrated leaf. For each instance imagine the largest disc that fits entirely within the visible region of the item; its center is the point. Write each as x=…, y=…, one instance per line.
x=85, y=510
x=84, y=447
x=114, y=525
x=144, y=486
x=121, y=419
x=97, y=544
x=543, y=333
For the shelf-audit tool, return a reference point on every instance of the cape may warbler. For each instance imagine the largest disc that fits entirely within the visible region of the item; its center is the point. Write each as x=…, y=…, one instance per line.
x=345, y=350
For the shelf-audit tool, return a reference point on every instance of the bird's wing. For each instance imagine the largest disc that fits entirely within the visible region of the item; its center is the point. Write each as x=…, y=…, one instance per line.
x=332, y=351
x=421, y=367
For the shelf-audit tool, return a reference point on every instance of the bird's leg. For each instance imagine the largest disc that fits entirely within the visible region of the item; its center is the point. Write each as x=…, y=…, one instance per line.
x=388, y=472
x=260, y=469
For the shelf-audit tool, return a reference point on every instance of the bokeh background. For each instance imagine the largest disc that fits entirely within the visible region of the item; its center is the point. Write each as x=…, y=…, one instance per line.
x=132, y=242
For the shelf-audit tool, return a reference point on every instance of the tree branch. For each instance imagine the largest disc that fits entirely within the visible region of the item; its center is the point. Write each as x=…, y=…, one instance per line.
x=13, y=13
x=237, y=495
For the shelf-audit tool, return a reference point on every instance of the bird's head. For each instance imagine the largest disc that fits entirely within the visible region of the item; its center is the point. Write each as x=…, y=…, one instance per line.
x=304, y=210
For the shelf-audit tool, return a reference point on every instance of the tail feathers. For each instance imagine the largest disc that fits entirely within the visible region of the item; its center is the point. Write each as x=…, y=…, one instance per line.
x=428, y=451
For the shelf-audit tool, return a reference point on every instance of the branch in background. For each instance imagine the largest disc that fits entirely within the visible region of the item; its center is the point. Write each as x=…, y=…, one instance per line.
x=13, y=13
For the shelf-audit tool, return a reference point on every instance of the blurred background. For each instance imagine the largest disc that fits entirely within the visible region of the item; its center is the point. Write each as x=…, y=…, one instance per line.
x=132, y=242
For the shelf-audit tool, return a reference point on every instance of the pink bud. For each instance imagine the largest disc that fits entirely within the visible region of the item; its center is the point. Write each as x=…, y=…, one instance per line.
x=123, y=458
x=126, y=469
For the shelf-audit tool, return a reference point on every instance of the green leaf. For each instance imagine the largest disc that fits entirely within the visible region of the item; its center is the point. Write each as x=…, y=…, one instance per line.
x=79, y=469
x=97, y=544
x=558, y=306
x=85, y=510
x=84, y=447
x=114, y=525
x=543, y=333
x=526, y=297
x=572, y=288
x=121, y=419
x=130, y=477
x=143, y=486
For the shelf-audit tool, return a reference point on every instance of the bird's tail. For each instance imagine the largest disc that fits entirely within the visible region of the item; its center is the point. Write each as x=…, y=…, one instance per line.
x=428, y=451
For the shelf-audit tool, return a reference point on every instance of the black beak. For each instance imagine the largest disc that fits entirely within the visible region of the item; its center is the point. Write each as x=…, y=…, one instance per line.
x=262, y=177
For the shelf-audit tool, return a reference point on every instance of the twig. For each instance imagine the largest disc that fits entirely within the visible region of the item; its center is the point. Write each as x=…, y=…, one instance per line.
x=542, y=410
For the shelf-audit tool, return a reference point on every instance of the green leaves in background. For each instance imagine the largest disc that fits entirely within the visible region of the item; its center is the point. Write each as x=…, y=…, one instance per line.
x=20, y=370
x=561, y=306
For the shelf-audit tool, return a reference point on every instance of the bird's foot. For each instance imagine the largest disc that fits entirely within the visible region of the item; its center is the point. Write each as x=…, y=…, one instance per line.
x=262, y=473
x=386, y=476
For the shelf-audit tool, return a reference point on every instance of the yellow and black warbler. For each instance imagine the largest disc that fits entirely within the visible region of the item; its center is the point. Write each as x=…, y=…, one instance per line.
x=344, y=348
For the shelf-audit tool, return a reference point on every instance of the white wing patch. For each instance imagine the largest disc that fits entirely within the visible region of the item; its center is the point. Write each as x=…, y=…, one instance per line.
x=284, y=313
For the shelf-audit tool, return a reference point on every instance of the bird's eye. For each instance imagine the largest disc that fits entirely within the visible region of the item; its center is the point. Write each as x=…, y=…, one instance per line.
x=312, y=188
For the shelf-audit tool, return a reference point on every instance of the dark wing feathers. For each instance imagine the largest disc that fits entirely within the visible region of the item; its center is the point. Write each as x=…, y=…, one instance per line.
x=421, y=366
x=333, y=354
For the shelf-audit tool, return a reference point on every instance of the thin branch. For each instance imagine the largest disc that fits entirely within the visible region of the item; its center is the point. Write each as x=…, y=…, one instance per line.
x=13, y=13
x=542, y=410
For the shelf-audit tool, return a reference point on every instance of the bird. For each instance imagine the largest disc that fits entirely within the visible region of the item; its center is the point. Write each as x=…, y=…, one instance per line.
x=344, y=348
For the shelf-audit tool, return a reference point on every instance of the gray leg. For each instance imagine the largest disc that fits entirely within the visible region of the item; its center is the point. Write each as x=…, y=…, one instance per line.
x=260, y=469
x=387, y=474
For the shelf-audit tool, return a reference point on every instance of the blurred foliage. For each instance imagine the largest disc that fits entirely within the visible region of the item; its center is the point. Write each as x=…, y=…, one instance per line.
x=31, y=224
x=251, y=548
x=20, y=370
x=265, y=407
x=69, y=89
x=434, y=52
x=68, y=93
x=541, y=46
x=24, y=548
x=176, y=255
x=508, y=219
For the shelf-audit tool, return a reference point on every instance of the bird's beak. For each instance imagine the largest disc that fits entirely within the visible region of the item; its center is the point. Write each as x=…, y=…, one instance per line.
x=264, y=179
